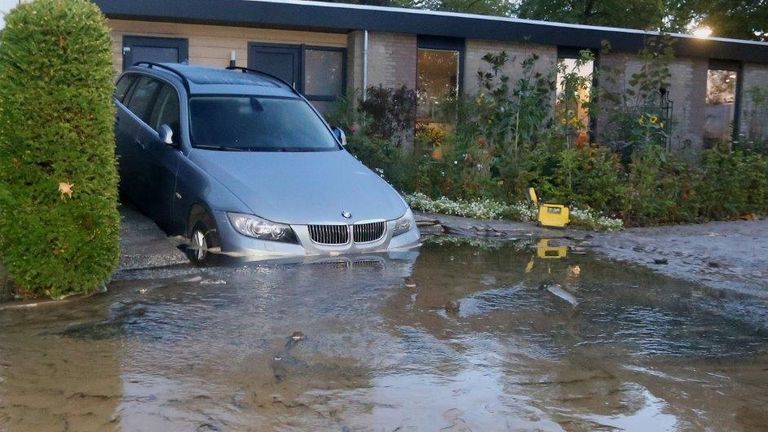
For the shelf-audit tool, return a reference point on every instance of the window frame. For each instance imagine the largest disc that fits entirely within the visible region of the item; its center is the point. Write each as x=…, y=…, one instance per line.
x=181, y=44
x=156, y=127
x=151, y=105
x=302, y=72
x=731, y=66
x=574, y=53
x=129, y=90
x=443, y=43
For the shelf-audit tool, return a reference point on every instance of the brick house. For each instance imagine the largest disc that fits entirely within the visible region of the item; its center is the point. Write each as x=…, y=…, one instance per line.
x=325, y=48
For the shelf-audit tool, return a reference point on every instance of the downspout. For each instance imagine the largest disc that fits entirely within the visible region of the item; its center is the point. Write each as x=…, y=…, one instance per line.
x=365, y=65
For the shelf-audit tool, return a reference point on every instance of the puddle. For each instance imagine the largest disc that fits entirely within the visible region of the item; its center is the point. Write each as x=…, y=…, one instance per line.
x=465, y=335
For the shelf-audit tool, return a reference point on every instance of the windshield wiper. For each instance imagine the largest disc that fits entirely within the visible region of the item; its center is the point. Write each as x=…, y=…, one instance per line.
x=300, y=149
x=222, y=148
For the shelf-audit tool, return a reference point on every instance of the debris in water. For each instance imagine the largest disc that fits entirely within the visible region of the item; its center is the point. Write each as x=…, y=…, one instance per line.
x=143, y=290
x=660, y=261
x=409, y=282
x=452, y=307
x=297, y=336
x=558, y=291
x=574, y=271
x=213, y=282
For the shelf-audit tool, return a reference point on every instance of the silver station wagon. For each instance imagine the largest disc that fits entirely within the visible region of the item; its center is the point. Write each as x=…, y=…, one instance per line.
x=241, y=164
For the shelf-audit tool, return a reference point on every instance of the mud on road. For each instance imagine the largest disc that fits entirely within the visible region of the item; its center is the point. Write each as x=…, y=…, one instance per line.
x=464, y=335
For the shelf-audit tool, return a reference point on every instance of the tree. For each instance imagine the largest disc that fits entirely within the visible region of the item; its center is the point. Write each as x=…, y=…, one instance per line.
x=741, y=19
x=640, y=14
x=59, y=225
x=484, y=7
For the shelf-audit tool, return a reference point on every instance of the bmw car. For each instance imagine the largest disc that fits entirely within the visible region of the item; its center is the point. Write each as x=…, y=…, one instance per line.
x=240, y=163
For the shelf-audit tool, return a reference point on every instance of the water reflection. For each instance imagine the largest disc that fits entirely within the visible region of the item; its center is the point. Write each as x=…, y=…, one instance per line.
x=379, y=351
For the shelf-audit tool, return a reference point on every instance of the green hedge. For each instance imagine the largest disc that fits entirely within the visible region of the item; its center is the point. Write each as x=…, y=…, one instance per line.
x=56, y=133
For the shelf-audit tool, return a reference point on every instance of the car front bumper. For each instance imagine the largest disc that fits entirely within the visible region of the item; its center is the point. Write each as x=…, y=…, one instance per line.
x=235, y=244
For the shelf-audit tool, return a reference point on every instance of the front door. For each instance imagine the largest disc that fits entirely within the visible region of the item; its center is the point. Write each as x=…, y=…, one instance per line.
x=282, y=61
x=153, y=49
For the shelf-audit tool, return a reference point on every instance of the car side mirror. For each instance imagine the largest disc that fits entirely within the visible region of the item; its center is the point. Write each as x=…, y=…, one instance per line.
x=166, y=134
x=340, y=136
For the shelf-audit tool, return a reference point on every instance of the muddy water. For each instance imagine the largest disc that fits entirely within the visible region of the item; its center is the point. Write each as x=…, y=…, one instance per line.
x=535, y=344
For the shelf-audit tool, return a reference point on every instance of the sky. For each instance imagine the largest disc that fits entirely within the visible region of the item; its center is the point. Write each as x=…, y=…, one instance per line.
x=5, y=6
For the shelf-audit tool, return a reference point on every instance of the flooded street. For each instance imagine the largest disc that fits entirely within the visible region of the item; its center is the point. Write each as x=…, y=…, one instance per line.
x=461, y=336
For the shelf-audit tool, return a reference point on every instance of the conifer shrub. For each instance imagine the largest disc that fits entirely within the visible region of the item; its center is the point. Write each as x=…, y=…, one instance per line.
x=59, y=225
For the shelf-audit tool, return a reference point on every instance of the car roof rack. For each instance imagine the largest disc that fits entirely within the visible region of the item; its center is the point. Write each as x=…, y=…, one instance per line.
x=152, y=65
x=268, y=75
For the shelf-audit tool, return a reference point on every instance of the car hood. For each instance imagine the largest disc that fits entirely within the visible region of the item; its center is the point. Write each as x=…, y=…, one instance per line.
x=303, y=187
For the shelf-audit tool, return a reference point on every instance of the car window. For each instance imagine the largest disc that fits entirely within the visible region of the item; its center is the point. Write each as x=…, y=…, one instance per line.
x=123, y=85
x=166, y=111
x=257, y=123
x=143, y=96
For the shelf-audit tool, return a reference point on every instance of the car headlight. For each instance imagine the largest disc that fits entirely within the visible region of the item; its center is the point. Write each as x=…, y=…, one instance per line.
x=404, y=224
x=262, y=229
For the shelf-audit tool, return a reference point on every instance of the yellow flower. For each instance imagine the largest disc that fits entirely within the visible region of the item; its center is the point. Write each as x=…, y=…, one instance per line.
x=642, y=120
x=66, y=189
x=654, y=119
x=661, y=125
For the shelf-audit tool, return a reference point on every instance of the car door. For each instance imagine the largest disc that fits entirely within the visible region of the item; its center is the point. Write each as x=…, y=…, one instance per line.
x=123, y=133
x=163, y=159
x=138, y=135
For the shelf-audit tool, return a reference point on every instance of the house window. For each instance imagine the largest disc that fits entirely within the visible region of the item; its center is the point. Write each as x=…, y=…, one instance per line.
x=318, y=73
x=324, y=73
x=439, y=74
x=721, y=103
x=575, y=71
x=438, y=82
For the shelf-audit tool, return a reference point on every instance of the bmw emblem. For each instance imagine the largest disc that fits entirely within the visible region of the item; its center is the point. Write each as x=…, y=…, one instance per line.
x=346, y=214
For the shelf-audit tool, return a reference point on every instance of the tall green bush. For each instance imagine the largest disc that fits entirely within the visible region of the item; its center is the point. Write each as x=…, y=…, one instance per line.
x=734, y=184
x=59, y=225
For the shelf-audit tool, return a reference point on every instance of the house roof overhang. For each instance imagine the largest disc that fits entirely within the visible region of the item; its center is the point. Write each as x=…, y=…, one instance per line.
x=338, y=17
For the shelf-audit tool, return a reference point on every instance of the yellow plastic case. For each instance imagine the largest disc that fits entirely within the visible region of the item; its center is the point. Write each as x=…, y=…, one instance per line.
x=550, y=215
x=545, y=251
x=554, y=215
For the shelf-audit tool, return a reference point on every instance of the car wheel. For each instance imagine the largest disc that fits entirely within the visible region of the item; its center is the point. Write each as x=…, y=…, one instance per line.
x=203, y=237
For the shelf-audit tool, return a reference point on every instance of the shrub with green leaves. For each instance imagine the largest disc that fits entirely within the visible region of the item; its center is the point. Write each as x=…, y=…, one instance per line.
x=661, y=189
x=734, y=184
x=59, y=225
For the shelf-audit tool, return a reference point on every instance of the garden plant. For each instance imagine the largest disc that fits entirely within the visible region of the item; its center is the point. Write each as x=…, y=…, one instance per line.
x=59, y=223
x=511, y=136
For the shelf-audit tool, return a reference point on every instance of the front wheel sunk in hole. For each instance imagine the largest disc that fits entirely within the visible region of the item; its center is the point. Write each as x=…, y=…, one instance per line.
x=203, y=238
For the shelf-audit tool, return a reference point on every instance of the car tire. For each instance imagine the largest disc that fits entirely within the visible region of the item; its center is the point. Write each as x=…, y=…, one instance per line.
x=203, y=237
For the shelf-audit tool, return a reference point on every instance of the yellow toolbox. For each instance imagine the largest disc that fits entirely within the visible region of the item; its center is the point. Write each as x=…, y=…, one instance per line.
x=545, y=251
x=550, y=215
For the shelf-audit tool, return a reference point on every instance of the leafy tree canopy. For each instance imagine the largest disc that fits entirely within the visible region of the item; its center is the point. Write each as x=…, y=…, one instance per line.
x=742, y=19
x=484, y=7
x=640, y=14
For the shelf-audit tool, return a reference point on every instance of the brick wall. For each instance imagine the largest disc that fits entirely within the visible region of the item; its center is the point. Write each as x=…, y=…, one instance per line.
x=392, y=60
x=518, y=52
x=753, y=119
x=687, y=91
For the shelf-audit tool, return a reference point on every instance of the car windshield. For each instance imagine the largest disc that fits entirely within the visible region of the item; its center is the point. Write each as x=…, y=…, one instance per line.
x=257, y=123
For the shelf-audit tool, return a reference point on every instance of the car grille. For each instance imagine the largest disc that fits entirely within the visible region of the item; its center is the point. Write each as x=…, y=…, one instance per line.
x=368, y=232
x=339, y=234
x=329, y=234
